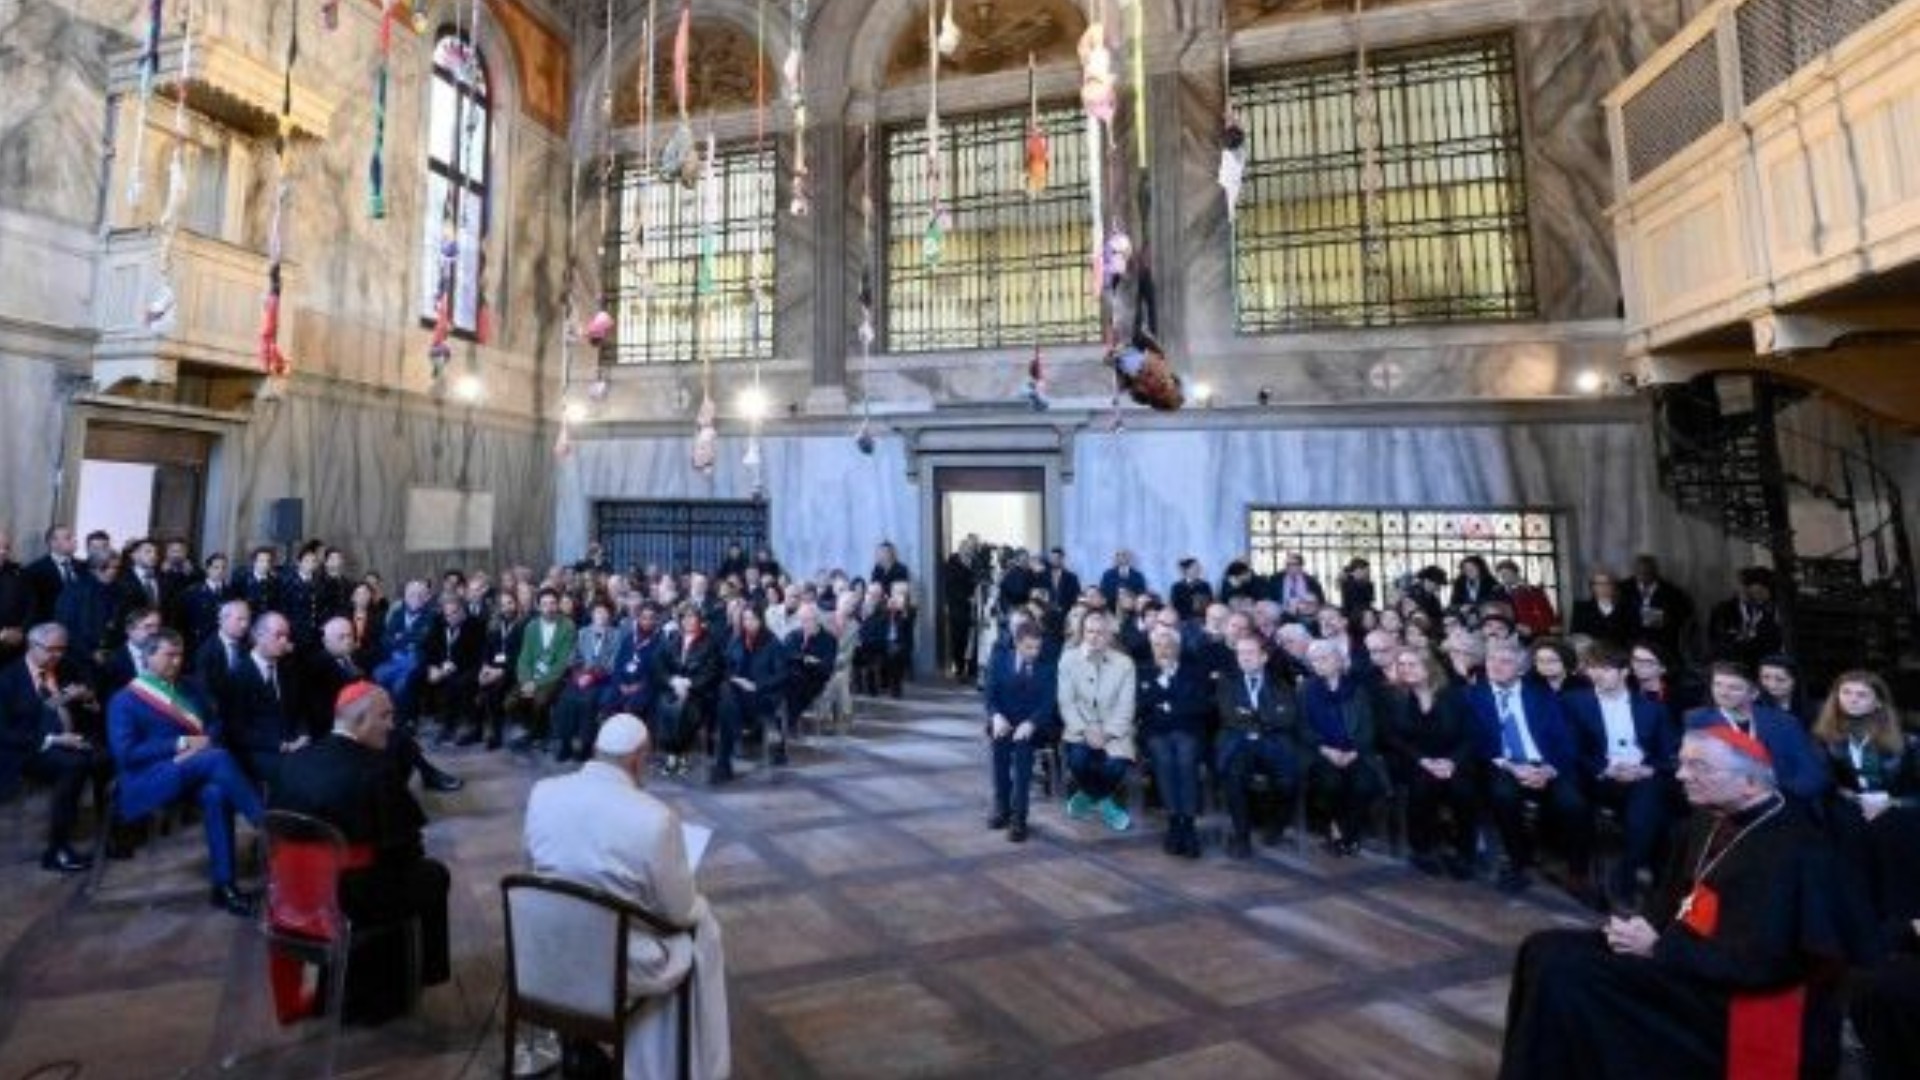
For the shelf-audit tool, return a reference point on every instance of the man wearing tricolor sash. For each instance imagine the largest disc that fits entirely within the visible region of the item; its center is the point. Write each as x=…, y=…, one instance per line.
x=163, y=745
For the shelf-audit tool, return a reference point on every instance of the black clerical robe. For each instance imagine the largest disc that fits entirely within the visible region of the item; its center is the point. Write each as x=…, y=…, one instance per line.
x=1754, y=936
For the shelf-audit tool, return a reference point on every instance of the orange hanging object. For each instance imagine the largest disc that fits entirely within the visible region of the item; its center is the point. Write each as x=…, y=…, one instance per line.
x=1039, y=158
x=682, y=50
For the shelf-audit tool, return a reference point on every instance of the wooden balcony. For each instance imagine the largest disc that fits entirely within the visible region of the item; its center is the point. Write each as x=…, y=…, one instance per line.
x=1767, y=182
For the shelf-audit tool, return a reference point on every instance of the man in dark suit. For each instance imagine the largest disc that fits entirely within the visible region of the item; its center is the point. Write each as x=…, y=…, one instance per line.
x=1798, y=763
x=811, y=652
x=260, y=585
x=43, y=737
x=141, y=583
x=1604, y=614
x=1664, y=608
x=51, y=573
x=1259, y=735
x=224, y=650
x=89, y=607
x=450, y=659
x=122, y=664
x=200, y=604
x=347, y=779
x=332, y=669
x=1627, y=747
x=1191, y=594
x=1121, y=575
x=1745, y=628
x=1293, y=586
x=500, y=657
x=260, y=714
x=1063, y=585
x=888, y=570
x=1022, y=713
x=302, y=600
x=162, y=743
x=1529, y=755
x=16, y=602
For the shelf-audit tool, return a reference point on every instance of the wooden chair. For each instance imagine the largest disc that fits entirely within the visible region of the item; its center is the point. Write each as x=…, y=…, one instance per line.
x=578, y=987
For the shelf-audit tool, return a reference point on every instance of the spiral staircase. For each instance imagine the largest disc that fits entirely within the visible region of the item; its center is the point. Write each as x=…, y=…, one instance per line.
x=1727, y=455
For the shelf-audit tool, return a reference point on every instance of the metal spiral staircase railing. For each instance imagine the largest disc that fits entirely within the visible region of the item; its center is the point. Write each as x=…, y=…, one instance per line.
x=1850, y=606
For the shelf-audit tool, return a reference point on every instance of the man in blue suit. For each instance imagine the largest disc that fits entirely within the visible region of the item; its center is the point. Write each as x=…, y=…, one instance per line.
x=162, y=742
x=1798, y=764
x=1627, y=749
x=1022, y=710
x=1531, y=756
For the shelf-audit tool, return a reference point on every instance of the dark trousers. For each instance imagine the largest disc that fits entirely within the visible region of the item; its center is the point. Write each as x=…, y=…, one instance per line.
x=1886, y=1012
x=223, y=790
x=533, y=710
x=576, y=719
x=67, y=772
x=959, y=622
x=378, y=978
x=1095, y=771
x=1240, y=758
x=1563, y=810
x=1012, y=762
x=450, y=699
x=677, y=722
x=262, y=766
x=737, y=706
x=1885, y=852
x=1427, y=796
x=1176, y=770
x=1346, y=795
x=491, y=703
x=1642, y=806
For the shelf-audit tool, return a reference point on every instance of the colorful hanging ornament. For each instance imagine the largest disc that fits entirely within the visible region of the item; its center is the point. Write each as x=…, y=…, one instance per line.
x=376, y=168
x=330, y=15
x=162, y=310
x=1039, y=154
x=1097, y=93
x=149, y=70
x=705, y=439
x=934, y=234
x=948, y=39
x=421, y=24
x=863, y=436
x=1137, y=71
x=1035, y=388
x=273, y=361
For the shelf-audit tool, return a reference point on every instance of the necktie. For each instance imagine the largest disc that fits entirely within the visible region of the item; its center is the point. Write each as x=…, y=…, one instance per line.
x=66, y=571
x=153, y=589
x=273, y=682
x=348, y=669
x=1024, y=670
x=1253, y=689
x=48, y=685
x=1512, y=745
x=233, y=656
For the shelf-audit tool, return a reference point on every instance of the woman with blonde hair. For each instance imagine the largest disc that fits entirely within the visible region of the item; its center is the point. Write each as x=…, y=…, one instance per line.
x=1429, y=753
x=1875, y=812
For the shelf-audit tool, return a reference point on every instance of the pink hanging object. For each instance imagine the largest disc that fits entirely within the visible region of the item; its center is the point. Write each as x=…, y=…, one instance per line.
x=599, y=328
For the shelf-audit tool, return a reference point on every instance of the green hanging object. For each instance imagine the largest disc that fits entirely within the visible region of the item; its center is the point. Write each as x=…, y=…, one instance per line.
x=709, y=265
x=933, y=244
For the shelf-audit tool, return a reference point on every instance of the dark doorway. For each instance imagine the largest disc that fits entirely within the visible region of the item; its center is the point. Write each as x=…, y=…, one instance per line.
x=1002, y=507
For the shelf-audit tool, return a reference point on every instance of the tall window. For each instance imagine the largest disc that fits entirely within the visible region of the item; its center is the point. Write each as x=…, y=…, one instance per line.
x=459, y=141
x=656, y=264
x=1445, y=241
x=1010, y=267
x=1397, y=542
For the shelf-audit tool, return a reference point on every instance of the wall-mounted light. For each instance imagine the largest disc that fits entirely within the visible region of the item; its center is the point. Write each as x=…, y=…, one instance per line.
x=469, y=388
x=1203, y=394
x=575, y=412
x=753, y=403
x=1589, y=382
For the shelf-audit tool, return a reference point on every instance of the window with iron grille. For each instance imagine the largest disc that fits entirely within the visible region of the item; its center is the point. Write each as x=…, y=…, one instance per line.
x=656, y=264
x=678, y=534
x=1399, y=542
x=1012, y=268
x=1446, y=240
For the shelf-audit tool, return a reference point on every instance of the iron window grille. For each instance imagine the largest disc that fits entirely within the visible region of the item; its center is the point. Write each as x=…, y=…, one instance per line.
x=677, y=534
x=459, y=148
x=1448, y=242
x=660, y=328
x=1013, y=269
x=1399, y=542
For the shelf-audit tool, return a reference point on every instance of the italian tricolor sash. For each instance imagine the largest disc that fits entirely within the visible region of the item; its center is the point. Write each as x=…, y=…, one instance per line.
x=165, y=700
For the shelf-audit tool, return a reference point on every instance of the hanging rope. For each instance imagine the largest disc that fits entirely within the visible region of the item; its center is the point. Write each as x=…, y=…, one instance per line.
x=162, y=305
x=933, y=241
x=800, y=201
x=705, y=439
x=863, y=438
x=600, y=327
x=272, y=360
x=1035, y=387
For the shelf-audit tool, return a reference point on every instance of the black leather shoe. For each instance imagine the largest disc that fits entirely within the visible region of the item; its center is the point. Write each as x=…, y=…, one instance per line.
x=62, y=861
x=997, y=820
x=1017, y=831
x=436, y=780
x=232, y=899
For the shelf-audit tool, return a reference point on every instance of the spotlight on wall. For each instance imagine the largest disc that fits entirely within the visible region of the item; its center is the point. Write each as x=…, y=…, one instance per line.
x=1589, y=382
x=1203, y=394
x=753, y=403
x=574, y=412
x=469, y=388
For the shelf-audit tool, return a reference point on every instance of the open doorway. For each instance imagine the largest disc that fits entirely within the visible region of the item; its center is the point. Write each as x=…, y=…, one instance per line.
x=143, y=481
x=998, y=508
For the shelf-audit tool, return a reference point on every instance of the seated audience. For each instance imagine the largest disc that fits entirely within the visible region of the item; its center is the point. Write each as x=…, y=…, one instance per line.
x=1800, y=767
x=261, y=716
x=686, y=688
x=750, y=697
x=1731, y=975
x=1603, y=615
x=1779, y=679
x=495, y=684
x=450, y=659
x=1627, y=745
x=812, y=653
x=599, y=827
x=1096, y=688
x=1875, y=811
x=1022, y=702
x=1338, y=736
x=163, y=746
x=332, y=670
x=1259, y=722
x=348, y=780
x=546, y=648
x=1429, y=753
x=1172, y=700
x=641, y=639
x=49, y=732
x=588, y=689
x=1527, y=754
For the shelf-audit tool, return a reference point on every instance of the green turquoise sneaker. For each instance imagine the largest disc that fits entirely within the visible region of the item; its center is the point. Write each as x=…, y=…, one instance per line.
x=1116, y=818
x=1079, y=805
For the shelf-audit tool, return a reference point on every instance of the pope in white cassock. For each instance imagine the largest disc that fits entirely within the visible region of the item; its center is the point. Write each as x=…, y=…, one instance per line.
x=597, y=827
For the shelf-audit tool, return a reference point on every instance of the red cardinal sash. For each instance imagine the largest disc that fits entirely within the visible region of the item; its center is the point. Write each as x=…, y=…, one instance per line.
x=1763, y=1029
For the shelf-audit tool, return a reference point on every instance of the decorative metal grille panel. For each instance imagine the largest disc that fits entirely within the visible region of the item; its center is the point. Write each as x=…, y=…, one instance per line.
x=660, y=328
x=1449, y=242
x=1398, y=542
x=1010, y=267
x=677, y=535
x=1779, y=37
x=1674, y=110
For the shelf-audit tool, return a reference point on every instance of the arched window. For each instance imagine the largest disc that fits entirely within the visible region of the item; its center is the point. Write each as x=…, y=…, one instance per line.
x=454, y=227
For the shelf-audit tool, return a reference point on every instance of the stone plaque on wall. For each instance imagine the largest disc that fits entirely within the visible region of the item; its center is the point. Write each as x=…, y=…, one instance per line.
x=449, y=519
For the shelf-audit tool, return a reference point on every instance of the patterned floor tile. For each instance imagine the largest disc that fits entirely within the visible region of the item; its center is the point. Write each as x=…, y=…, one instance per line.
x=885, y=1025
x=1064, y=993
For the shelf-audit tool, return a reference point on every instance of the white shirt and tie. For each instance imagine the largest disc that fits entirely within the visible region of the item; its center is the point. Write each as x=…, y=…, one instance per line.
x=1623, y=742
x=1507, y=700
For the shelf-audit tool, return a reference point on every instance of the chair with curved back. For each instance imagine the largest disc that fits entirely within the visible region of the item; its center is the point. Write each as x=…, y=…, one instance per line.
x=579, y=986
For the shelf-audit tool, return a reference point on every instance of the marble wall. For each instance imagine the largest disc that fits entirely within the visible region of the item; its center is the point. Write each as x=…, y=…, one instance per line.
x=31, y=436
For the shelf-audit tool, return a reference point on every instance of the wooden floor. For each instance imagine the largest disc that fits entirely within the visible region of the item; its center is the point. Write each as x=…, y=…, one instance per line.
x=874, y=928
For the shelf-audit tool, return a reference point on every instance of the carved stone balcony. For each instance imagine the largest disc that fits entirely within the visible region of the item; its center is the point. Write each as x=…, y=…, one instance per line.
x=1767, y=180
x=215, y=325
